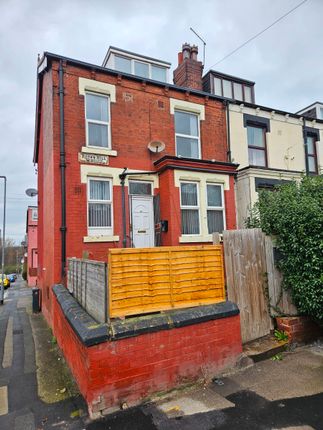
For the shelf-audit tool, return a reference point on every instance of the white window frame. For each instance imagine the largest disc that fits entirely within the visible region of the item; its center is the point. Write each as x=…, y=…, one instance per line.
x=134, y=61
x=132, y=67
x=107, y=123
x=126, y=58
x=198, y=137
x=215, y=208
x=34, y=214
x=198, y=207
x=141, y=182
x=99, y=231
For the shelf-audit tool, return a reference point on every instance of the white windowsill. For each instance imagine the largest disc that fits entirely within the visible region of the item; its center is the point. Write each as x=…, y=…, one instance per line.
x=192, y=239
x=100, y=151
x=90, y=239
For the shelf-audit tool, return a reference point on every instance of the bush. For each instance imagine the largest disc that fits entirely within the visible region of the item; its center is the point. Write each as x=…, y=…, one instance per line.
x=24, y=270
x=10, y=269
x=293, y=214
x=24, y=274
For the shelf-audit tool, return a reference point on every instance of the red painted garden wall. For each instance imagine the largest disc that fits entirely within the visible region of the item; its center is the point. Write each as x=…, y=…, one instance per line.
x=132, y=369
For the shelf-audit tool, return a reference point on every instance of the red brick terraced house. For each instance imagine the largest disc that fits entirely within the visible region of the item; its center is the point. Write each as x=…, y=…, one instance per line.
x=126, y=159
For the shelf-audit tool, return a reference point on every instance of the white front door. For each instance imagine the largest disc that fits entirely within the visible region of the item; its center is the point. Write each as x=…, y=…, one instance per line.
x=142, y=221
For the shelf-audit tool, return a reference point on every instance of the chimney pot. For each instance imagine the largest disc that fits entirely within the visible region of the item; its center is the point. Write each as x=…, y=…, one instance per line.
x=186, y=50
x=180, y=58
x=194, y=52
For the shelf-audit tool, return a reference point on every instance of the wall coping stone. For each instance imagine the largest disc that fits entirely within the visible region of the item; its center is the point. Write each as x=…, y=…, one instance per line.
x=90, y=332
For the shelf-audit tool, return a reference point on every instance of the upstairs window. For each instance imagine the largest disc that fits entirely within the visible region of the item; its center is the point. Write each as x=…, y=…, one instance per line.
x=158, y=73
x=187, y=134
x=311, y=154
x=257, y=145
x=215, y=208
x=97, y=120
x=227, y=88
x=232, y=90
x=34, y=214
x=122, y=64
x=99, y=207
x=142, y=69
x=247, y=94
x=190, y=211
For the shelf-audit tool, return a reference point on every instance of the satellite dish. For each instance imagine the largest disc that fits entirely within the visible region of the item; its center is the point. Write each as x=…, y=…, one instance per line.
x=156, y=146
x=31, y=192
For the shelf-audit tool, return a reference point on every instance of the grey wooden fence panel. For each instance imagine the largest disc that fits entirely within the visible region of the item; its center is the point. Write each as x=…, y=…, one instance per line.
x=280, y=299
x=245, y=264
x=87, y=281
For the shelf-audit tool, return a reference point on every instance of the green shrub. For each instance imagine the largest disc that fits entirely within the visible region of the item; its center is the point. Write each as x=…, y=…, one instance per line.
x=24, y=274
x=10, y=269
x=293, y=214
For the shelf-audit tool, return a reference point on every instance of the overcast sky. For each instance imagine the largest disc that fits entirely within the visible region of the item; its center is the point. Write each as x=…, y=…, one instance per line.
x=286, y=62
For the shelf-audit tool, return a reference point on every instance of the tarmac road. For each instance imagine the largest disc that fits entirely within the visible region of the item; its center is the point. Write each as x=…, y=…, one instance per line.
x=286, y=394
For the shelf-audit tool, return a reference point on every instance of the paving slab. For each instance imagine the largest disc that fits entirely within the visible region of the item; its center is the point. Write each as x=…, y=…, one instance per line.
x=296, y=375
x=55, y=382
x=8, y=345
x=3, y=400
x=194, y=402
x=25, y=422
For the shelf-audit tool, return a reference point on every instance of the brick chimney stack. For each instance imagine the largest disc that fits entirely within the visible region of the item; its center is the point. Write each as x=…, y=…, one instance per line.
x=189, y=71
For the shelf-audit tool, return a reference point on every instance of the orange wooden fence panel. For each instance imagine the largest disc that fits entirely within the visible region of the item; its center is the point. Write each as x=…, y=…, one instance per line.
x=156, y=279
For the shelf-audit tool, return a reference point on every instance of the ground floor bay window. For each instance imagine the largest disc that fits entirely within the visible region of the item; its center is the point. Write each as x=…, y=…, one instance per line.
x=202, y=210
x=215, y=208
x=190, y=212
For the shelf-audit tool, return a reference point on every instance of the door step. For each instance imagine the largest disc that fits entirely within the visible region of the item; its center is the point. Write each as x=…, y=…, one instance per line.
x=264, y=348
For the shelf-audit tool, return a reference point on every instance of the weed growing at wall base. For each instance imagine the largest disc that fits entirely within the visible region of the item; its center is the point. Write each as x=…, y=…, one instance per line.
x=293, y=214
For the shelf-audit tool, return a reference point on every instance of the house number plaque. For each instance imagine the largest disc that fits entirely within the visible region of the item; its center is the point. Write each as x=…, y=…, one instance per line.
x=93, y=158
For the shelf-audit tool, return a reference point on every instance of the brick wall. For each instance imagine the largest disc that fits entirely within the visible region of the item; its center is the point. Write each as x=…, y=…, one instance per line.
x=131, y=369
x=230, y=207
x=141, y=114
x=299, y=329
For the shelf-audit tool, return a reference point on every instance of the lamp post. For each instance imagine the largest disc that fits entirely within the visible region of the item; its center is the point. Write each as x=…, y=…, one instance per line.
x=3, y=238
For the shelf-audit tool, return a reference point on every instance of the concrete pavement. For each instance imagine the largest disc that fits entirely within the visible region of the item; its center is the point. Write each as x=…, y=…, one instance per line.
x=38, y=392
x=21, y=406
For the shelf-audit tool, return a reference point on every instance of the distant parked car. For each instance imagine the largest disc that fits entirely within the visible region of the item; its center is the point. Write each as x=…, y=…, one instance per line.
x=6, y=282
x=12, y=278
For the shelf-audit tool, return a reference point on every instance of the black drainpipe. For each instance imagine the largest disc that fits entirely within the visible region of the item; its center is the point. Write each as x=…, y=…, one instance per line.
x=305, y=147
x=122, y=177
x=62, y=166
x=228, y=130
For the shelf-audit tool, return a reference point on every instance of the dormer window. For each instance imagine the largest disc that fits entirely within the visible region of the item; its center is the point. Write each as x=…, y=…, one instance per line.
x=141, y=69
x=135, y=64
x=123, y=64
x=228, y=86
x=315, y=110
x=232, y=90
